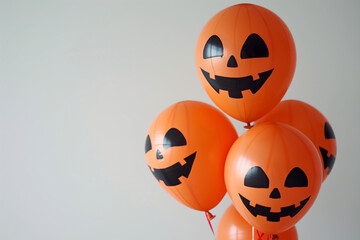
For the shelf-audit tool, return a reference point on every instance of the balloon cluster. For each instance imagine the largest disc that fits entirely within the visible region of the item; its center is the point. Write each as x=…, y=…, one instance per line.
x=245, y=59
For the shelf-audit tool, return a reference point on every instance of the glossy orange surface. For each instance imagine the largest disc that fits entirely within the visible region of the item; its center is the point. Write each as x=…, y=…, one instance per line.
x=273, y=175
x=186, y=148
x=312, y=123
x=245, y=58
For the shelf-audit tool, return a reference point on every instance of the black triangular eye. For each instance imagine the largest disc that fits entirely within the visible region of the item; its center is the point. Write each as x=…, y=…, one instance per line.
x=174, y=137
x=254, y=47
x=296, y=178
x=256, y=178
x=213, y=47
x=329, y=133
x=148, y=146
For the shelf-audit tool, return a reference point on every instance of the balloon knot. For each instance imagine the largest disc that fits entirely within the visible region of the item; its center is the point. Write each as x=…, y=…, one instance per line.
x=248, y=126
x=274, y=237
x=209, y=215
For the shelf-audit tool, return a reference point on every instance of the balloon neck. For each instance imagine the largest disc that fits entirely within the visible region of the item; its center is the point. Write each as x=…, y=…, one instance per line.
x=274, y=237
x=248, y=126
x=209, y=215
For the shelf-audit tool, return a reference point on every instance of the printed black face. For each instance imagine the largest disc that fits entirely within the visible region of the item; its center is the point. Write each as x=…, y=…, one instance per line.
x=254, y=47
x=328, y=161
x=257, y=178
x=170, y=175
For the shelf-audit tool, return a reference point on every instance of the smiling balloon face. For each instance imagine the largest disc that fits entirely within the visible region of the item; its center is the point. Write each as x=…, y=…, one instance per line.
x=273, y=175
x=245, y=58
x=186, y=148
x=232, y=226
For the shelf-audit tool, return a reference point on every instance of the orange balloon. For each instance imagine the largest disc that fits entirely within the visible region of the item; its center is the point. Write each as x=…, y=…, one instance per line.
x=245, y=58
x=273, y=175
x=312, y=123
x=186, y=148
x=232, y=226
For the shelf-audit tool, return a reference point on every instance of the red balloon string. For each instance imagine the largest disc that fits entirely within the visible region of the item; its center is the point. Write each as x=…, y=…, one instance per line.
x=260, y=236
x=268, y=236
x=210, y=217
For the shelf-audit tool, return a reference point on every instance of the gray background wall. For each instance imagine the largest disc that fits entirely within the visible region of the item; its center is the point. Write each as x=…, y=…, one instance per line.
x=81, y=82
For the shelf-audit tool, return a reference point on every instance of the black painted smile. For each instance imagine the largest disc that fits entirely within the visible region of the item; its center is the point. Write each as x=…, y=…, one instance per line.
x=236, y=85
x=273, y=216
x=170, y=175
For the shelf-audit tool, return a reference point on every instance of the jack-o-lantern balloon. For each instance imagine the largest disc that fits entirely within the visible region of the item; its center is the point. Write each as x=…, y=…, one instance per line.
x=232, y=226
x=312, y=123
x=186, y=148
x=245, y=58
x=273, y=175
